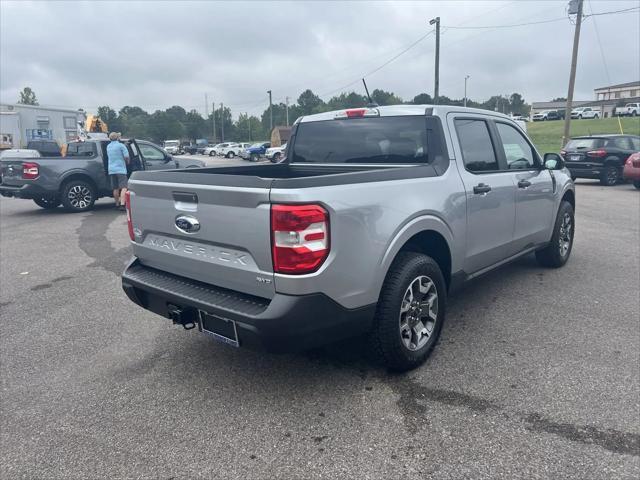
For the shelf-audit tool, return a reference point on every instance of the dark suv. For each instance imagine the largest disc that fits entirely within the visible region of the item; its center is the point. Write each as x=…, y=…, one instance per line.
x=599, y=156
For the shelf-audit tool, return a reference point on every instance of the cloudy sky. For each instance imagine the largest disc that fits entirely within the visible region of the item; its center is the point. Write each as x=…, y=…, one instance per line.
x=156, y=54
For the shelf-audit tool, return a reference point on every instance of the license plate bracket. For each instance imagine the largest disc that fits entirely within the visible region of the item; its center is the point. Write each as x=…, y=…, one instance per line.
x=220, y=328
x=574, y=158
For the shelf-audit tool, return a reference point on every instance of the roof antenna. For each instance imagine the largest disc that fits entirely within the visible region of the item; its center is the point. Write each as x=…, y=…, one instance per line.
x=371, y=103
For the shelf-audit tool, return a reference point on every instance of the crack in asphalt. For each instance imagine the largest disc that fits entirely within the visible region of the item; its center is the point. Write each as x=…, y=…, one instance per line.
x=411, y=394
x=93, y=241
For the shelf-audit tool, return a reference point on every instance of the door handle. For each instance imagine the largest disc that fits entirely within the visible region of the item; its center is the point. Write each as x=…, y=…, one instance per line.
x=524, y=184
x=481, y=189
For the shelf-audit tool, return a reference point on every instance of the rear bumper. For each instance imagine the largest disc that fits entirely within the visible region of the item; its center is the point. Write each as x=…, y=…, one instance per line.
x=29, y=191
x=585, y=171
x=285, y=323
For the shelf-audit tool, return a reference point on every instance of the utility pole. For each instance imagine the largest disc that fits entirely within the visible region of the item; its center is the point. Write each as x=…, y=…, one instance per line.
x=436, y=83
x=467, y=77
x=206, y=105
x=270, y=113
x=213, y=117
x=287, y=108
x=572, y=75
x=221, y=122
x=249, y=122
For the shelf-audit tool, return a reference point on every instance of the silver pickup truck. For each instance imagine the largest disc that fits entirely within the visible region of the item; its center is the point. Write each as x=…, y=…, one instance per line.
x=375, y=215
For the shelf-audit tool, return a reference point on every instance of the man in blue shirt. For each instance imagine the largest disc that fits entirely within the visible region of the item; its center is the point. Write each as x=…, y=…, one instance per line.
x=118, y=157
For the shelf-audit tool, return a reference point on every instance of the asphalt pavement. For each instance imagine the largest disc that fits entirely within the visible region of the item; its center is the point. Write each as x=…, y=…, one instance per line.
x=537, y=373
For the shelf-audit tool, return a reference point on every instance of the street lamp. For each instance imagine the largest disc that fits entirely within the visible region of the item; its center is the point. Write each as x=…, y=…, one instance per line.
x=465, y=89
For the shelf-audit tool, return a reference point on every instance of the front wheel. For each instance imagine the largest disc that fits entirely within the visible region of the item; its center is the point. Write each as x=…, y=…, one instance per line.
x=557, y=253
x=637, y=184
x=634, y=113
x=253, y=157
x=231, y=155
x=610, y=176
x=78, y=196
x=48, y=203
x=211, y=154
x=411, y=311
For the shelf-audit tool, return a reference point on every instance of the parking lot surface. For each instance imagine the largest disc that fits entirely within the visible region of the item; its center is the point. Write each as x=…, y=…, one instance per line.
x=536, y=374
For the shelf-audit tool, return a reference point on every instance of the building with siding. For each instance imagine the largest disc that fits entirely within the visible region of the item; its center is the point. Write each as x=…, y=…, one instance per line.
x=20, y=124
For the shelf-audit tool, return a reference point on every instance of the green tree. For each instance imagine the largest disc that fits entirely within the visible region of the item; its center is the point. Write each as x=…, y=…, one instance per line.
x=385, y=98
x=422, y=99
x=134, y=122
x=162, y=126
x=346, y=100
x=517, y=105
x=109, y=116
x=195, y=126
x=309, y=102
x=28, y=97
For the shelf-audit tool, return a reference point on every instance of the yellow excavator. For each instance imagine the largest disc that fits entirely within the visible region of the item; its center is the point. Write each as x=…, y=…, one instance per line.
x=92, y=127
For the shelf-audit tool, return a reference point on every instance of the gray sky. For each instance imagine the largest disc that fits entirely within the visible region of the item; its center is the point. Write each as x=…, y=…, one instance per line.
x=158, y=54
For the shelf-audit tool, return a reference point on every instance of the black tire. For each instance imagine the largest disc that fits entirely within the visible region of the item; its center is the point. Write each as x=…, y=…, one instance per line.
x=211, y=153
x=544, y=119
x=634, y=113
x=276, y=157
x=253, y=157
x=579, y=117
x=637, y=184
x=48, y=203
x=231, y=155
x=386, y=340
x=596, y=116
x=78, y=196
x=610, y=176
x=554, y=255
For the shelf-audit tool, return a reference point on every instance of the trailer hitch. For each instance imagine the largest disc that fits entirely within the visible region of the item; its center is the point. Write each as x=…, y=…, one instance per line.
x=181, y=316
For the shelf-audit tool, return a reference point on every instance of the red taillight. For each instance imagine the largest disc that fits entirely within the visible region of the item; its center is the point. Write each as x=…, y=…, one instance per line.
x=30, y=170
x=127, y=201
x=299, y=238
x=597, y=153
x=563, y=152
x=356, y=112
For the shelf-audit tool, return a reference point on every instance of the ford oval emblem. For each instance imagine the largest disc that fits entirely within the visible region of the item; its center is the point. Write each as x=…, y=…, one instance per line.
x=187, y=224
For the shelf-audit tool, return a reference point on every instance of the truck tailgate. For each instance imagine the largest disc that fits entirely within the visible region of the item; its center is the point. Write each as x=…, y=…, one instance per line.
x=230, y=249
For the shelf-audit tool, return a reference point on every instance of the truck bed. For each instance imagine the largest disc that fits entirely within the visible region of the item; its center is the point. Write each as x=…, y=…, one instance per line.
x=283, y=175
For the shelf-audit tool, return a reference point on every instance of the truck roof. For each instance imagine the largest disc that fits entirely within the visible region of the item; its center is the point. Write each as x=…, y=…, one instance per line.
x=404, y=110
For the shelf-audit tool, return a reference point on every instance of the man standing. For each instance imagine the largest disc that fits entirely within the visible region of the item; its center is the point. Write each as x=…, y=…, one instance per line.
x=118, y=156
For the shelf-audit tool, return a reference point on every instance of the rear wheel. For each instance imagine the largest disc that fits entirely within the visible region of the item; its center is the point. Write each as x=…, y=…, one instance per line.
x=557, y=253
x=48, y=203
x=231, y=155
x=253, y=157
x=276, y=157
x=411, y=312
x=637, y=184
x=78, y=196
x=610, y=176
x=634, y=113
x=211, y=153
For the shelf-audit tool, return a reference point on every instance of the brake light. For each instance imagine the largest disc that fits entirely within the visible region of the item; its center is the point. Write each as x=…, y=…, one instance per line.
x=597, y=153
x=30, y=170
x=299, y=238
x=127, y=202
x=358, y=113
x=563, y=152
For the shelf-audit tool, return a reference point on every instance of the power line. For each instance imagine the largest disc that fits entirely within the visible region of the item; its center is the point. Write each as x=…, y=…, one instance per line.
x=550, y=20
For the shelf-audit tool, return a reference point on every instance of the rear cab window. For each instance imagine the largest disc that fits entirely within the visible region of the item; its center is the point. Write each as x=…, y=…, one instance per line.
x=383, y=140
x=81, y=149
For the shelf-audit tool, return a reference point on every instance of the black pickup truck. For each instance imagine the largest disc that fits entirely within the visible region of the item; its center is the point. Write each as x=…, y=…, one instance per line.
x=78, y=179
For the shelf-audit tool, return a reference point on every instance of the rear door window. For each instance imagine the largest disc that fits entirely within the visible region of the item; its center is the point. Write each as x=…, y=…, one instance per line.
x=362, y=140
x=478, y=154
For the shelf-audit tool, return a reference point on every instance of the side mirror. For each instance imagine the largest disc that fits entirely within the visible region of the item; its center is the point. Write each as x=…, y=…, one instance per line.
x=553, y=161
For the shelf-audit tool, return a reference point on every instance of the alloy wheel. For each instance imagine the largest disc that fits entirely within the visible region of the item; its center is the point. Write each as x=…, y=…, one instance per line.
x=566, y=230
x=418, y=313
x=79, y=196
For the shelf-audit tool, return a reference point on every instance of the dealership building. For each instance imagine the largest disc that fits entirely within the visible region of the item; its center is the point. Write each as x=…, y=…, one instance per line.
x=19, y=124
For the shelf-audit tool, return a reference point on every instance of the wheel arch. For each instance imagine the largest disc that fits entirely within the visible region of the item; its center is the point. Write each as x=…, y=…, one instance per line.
x=429, y=235
x=78, y=176
x=570, y=196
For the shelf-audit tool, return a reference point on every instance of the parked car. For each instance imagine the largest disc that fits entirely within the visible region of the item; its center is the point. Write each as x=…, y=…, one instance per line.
x=340, y=239
x=234, y=149
x=584, y=112
x=20, y=153
x=599, y=156
x=215, y=149
x=190, y=148
x=47, y=148
x=546, y=115
x=631, y=170
x=629, y=110
x=255, y=151
x=172, y=147
x=275, y=154
x=78, y=179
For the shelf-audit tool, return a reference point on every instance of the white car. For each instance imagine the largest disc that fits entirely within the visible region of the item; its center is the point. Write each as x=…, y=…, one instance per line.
x=275, y=154
x=20, y=153
x=630, y=109
x=233, y=149
x=212, y=151
x=584, y=112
